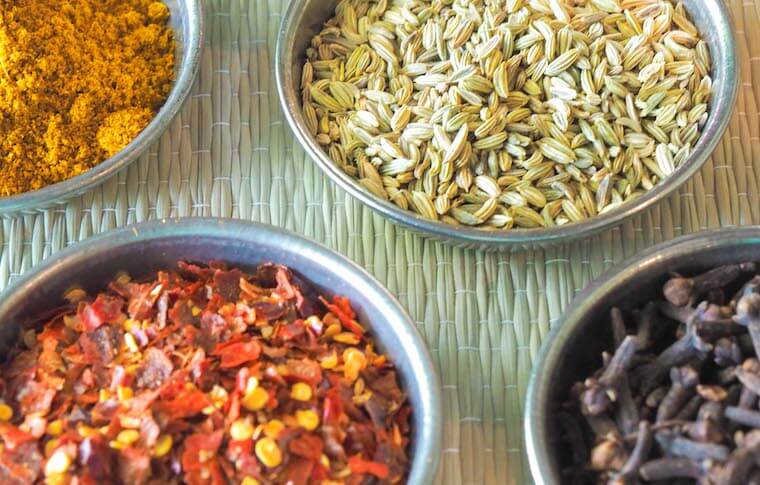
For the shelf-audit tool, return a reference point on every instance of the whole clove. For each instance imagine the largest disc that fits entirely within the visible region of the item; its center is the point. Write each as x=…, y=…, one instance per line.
x=676, y=397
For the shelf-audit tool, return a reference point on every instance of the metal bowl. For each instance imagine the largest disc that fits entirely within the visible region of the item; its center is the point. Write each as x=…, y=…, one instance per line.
x=149, y=247
x=304, y=18
x=573, y=348
x=186, y=20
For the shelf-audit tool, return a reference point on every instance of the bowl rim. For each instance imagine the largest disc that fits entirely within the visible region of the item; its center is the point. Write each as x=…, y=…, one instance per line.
x=422, y=370
x=553, y=345
x=61, y=191
x=724, y=97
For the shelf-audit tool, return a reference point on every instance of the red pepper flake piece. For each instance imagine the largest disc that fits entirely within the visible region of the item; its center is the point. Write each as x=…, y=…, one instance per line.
x=12, y=436
x=186, y=404
x=307, y=445
x=341, y=308
x=105, y=309
x=359, y=465
x=237, y=353
x=200, y=448
x=305, y=370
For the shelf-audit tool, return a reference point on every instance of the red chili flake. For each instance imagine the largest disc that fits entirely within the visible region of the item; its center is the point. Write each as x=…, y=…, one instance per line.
x=216, y=349
x=200, y=448
x=359, y=465
x=236, y=354
x=104, y=309
x=307, y=445
x=342, y=309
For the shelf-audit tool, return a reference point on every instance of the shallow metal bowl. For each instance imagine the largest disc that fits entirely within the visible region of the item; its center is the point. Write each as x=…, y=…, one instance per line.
x=149, y=247
x=304, y=18
x=573, y=349
x=186, y=21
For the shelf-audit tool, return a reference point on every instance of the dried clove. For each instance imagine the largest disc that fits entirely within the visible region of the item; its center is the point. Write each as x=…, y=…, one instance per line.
x=701, y=426
x=680, y=291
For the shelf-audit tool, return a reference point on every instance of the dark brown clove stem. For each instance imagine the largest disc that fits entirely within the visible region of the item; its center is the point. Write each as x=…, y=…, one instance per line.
x=747, y=399
x=640, y=451
x=726, y=352
x=618, y=326
x=627, y=414
x=668, y=468
x=645, y=320
x=738, y=466
x=675, y=445
x=690, y=409
x=743, y=416
x=684, y=380
x=748, y=314
x=596, y=400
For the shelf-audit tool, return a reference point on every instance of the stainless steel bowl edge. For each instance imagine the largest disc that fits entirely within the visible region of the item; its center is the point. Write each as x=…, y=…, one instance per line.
x=189, y=28
x=712, y=17
x=700, y=250
x=147, y=247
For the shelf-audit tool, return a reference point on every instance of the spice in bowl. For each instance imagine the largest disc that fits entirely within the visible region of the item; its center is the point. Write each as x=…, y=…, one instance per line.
x=202, y=375
x=507, y=113
x=79, y=80
x=677, y=398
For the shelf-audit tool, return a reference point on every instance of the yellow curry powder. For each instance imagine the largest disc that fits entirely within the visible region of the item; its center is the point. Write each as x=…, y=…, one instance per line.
x=79, y=79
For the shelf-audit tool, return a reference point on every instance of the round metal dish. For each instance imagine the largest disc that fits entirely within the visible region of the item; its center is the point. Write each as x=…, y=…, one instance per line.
x=304, y=18
x=186, y=20
x=149, y=247
x=572, y=349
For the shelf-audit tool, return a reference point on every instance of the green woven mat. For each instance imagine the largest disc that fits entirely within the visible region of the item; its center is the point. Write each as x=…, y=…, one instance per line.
x=483, y=315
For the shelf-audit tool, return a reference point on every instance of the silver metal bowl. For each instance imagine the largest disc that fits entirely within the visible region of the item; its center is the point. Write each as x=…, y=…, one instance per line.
x=149, y=247
x=572, y=350
x=186, y=20
x=304, y=18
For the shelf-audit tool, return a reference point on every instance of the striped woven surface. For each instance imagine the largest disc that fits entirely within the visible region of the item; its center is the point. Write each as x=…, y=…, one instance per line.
x=483, y=315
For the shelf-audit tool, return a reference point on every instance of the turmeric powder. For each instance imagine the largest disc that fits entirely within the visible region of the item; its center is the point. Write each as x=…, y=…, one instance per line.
x=79, y=79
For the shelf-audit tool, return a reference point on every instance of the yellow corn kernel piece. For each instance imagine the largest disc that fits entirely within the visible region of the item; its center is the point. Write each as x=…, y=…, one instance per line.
x=125, y=393
x=301, y=391
x=116, y=445
x=208, y=410
x=307, y=419
x=241, y=430
x=131, y=343
x=353, y=362
x=54, y=428
x=58, y=463
x=268, y=452
x=129, y=324
x=333, y=329
x=128, y=436
x=163, y=446
x=195, y=311
x=249, y=481
x=104, y=395
x=256, y=399
x=86, y=431
x=330, y=361
x=58, y=479
x=6, y=412
x=346, y=338
x=51, y=445
x=324, y=461
x=267, y=331
x=273, y=428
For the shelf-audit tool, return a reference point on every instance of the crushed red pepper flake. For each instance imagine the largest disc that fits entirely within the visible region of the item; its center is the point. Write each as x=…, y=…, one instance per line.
x=204, y=375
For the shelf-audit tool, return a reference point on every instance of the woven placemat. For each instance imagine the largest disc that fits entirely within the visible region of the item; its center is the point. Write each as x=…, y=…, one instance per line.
x=483, y=315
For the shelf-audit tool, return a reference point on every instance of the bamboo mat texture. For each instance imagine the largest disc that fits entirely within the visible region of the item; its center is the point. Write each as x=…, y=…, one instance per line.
x=483, y=315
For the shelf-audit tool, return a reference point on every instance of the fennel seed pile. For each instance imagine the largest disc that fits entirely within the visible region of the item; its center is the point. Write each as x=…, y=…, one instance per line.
x=507, y=113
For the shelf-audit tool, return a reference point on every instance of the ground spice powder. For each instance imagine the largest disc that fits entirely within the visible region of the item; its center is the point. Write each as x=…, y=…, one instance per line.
x=79, y=79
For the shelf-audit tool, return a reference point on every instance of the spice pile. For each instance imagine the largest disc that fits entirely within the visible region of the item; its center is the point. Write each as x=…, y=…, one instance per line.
x=79, y=79
x=205, y=375
x=507, y=113
x=678, y=399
